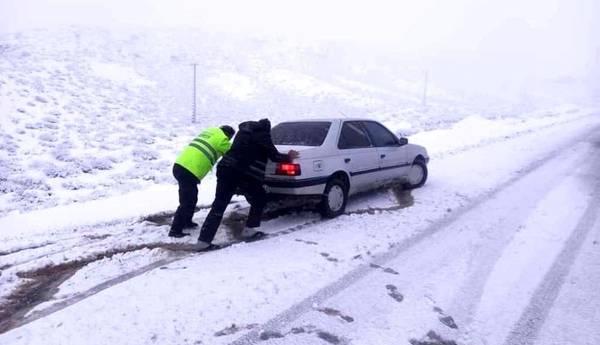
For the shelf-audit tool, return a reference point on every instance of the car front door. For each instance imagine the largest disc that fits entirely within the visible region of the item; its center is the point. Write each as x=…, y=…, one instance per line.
x=359, y=156
x=393, y=158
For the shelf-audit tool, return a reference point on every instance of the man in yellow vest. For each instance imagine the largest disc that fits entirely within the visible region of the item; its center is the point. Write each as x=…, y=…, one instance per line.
x=196, y=160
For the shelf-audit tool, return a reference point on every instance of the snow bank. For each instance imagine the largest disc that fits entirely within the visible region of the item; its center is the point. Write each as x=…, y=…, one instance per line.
x=155, y=199
x=475, y=130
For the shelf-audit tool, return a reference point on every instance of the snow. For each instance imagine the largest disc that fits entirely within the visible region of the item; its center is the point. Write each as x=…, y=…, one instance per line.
x=154, y=199
x=579, y=302
x=314, y=88
x=100, y=271
x=93, y=120
x=532, y=250
x=475, y=129
x=117, y=73
x=236, y=85
x=247, y=284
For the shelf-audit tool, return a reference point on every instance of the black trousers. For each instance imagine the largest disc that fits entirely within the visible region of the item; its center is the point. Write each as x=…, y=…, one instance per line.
x=229, y=181
x=188, y=197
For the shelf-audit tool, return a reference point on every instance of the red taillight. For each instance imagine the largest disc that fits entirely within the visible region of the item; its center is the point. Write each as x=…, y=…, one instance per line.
x=288, y=169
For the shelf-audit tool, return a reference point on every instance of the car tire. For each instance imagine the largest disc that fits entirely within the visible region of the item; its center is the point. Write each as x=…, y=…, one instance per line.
x=334, y=199
x=417, y=175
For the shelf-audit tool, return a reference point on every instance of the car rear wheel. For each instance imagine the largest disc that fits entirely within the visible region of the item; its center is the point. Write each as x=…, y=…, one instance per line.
x=417, y=175
x=335, y=197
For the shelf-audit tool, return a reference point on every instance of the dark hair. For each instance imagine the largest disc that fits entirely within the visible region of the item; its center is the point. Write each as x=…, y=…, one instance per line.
x=228, y=130
x=265, y=123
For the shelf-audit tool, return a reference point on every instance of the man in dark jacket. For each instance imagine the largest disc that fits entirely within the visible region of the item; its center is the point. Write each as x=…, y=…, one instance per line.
x=243, y=167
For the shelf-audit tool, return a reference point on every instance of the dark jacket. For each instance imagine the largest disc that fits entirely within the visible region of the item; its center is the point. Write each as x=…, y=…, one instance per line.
x=251, y=148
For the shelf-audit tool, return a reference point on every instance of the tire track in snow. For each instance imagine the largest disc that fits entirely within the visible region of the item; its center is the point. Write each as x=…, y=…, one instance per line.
x=474, y=285
x=67, y=243
x=53, y=249
x=91, y=244
x=532, y=319
x=179, y=251
x=22, y=248
x=63, y=245
x=350, y=278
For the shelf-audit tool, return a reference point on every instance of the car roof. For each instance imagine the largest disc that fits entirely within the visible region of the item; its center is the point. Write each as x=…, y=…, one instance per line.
x=331, y=119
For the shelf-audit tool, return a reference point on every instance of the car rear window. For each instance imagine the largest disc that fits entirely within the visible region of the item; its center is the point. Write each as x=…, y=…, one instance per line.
x=300, y=133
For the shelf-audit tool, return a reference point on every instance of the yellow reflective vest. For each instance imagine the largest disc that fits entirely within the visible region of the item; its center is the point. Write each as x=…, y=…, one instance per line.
x=204, y=151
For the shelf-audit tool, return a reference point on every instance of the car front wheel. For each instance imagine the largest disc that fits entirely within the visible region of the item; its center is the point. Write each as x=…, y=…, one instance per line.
x=335, y=197
x=417, y=175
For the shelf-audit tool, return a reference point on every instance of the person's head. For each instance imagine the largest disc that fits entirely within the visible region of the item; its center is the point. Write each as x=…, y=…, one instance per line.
x=228, y=130
x=265, y=123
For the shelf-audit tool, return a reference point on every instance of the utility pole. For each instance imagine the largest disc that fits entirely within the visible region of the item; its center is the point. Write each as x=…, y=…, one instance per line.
x=194, y=96
x=424, y=100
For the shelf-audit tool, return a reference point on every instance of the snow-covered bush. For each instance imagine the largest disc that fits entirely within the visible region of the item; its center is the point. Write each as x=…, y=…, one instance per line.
x=117, y=158
x=62, y=154
x=48, y=136
x=97, y=194
x=41, y=99
x=144, y=154
x=51, y=119
x=83, y=166
x=19, y=183
x=73, y=185
x=50, y=125
x=146, y=139
x=5, y=170
x=36, y=125
x=6, y=186
x=35, y=198
x=64, y=170
x=8, y=145
x=99, y=163
x=141, y=171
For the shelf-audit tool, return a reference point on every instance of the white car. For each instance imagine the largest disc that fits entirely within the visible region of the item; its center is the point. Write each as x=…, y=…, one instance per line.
x=341, y=157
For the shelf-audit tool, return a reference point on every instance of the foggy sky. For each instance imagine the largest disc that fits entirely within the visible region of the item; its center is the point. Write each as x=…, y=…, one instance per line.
x=536, y=38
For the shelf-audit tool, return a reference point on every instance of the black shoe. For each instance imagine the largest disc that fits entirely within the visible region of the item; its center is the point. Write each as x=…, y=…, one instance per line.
x=190, y=225
x=202, y=246
x=257, y=236
x=178, y=234
x=249, y=233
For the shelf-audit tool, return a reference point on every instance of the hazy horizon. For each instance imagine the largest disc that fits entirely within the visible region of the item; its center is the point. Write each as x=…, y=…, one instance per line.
x=510, y=41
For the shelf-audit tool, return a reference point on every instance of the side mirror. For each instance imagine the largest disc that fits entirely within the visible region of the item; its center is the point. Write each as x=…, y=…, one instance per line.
x=402, y=141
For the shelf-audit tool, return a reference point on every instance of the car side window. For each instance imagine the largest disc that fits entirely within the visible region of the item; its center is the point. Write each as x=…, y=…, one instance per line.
x=353, y=136
x=380, y=136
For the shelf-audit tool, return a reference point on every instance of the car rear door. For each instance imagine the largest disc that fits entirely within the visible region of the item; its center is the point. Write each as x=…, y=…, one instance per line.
x=393, y=158
x=359, y=155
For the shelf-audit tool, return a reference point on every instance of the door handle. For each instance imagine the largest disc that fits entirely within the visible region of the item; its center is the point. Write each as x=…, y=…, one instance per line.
x=347, y=160
x=382, y=156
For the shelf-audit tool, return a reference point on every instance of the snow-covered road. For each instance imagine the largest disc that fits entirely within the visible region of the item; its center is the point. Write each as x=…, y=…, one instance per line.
x=487, y=276
x=499, y=247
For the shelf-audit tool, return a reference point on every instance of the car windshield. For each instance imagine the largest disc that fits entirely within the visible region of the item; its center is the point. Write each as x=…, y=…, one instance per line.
x=300, y=133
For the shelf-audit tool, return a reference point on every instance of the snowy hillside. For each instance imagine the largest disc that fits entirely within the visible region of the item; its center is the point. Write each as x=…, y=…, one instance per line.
x=86, y=114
